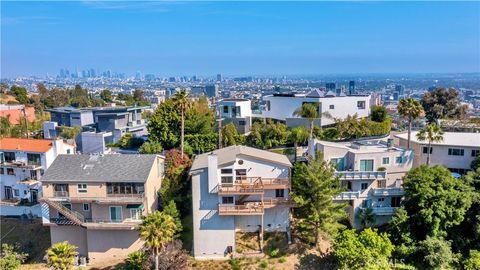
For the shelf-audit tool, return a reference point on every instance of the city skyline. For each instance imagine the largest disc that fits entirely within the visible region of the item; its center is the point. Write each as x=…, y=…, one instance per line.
x=200, y=38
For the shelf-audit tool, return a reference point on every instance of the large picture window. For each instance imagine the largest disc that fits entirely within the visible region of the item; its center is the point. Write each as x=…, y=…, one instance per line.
x=366, y=165
x=9, y=156
x=125, y=188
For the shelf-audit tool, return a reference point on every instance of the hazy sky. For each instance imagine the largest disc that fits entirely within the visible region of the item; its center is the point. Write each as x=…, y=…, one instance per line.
x=205, y=38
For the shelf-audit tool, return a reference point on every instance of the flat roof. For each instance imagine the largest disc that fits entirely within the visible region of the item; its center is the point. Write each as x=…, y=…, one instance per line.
x=364, y=146
x=467, y=139
x=29, y=145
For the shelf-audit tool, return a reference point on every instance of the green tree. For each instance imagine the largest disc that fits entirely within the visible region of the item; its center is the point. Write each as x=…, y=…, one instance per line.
x=20, y=94
x=230, y=135
x=129, y=141
x=442, y=103
x=267, y=135
x=106, y=95
x=69, y=132
x=61, y=256
x=434, y=253
x=151, y=147
x=157, y=229
x=367, y=250
x=473, y=261
x=171, y=210
x=136, y=260
x=314, y=186
x=165, y=124
x=430, y=133
x=352, y=127
x=475, y=163
x=400, y=234
x=10, y=258
x=378, y=113
x=309, y=111
x=366, y=217
x=298, y=135
x=410, y=109
x=434, y=200
x=181, y=99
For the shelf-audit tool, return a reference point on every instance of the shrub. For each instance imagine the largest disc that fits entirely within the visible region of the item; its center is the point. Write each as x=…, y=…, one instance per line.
x=282, y=260
x=235, y=264
x=151, y=148
x=10, y=258
x=274, y=252
x=379, y=128
x=473, y=261
x=137, y=260
x=263, y=264
x=378, y=113
x=330, y=134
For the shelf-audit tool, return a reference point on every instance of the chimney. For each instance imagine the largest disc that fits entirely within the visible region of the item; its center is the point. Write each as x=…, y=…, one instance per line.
x=212, y=173
x=389, y=143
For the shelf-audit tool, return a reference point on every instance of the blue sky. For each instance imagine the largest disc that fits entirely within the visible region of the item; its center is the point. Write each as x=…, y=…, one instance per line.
x=240, y=38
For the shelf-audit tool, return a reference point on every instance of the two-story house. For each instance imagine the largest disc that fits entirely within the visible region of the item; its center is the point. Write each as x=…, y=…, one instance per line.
x=96, y=202
x=238, y=189
x=456, y=151
x=237, y=111
x=371, y=172
x=22, y=164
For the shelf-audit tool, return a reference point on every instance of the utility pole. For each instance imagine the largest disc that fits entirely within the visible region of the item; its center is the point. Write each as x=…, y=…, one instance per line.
x=25, y=120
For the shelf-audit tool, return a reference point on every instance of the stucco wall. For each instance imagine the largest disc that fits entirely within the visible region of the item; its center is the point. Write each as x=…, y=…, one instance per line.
x=110, y=244
x=75, y=235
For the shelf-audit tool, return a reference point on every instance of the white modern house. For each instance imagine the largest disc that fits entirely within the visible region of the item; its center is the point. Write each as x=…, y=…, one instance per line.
x=371, y=172
x=238, y=189
x=22, y=164
x=456, y=151
x=237, y=111
x=282, y=106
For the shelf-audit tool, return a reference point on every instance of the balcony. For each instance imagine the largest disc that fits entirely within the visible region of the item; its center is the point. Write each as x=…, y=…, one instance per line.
x=60, y=195
x=384, y=211
x=272, y=202
x=357, y=175
x=247, y=209
x=388, y=191
x=108, y=198
x=20, y=164
x=347, y=195
x=252, y=185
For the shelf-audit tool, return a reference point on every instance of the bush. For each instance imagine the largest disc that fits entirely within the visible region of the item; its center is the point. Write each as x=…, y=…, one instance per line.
x=137, y=260
x=473, y=261
x=378, y=113
x=379, y=128
x=10, y=258
x=274, y=252
x=129, y=141
x=263, y=264
x=201, y=143
x=235, y=264
x=151, y=148
x=330, y=134
x=282, y=260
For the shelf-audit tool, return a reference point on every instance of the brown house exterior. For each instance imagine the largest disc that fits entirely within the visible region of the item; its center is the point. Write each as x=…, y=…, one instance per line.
x=95, y=202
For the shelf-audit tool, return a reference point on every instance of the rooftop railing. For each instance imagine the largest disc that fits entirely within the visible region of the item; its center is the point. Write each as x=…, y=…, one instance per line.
x=388, y=191
x=359, y=175
x=347, y=195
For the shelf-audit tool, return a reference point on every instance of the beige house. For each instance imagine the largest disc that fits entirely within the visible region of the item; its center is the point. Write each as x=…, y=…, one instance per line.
x=95, y=202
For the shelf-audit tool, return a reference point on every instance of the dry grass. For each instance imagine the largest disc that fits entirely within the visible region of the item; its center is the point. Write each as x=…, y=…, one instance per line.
x=247, y=242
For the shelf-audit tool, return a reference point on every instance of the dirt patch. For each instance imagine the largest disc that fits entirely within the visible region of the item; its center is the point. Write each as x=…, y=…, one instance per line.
x=247, y=242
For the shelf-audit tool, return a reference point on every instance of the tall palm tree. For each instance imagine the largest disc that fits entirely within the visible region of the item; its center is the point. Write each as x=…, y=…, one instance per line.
x=298, y=135
x=157, y=229
x=181, y=98
x=430, y=133
x=366, y=217
x=310, y=111
x=410, y=109
x=61, y=256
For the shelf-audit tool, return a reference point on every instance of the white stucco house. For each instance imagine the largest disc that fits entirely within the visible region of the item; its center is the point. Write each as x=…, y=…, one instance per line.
x=237, y=189
x=456, y=151
x=22, y=164
x=237, y=111
x=282, y=106
x=371, y=171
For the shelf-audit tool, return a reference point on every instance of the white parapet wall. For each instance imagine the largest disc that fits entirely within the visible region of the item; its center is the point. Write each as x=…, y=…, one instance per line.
x=14, y=210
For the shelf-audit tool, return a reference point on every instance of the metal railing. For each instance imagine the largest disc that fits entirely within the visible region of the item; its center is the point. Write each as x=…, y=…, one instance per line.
x=277, y=201
x=388, y=191
x=384, y=211
x=60, y=194
x=66, y=211
x=347, y=195
x=357, y=175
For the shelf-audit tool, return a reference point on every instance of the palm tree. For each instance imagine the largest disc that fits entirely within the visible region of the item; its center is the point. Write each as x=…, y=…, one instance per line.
x=181, y=97
x=430, y=133
x=410, y=109
x=366, y=217
x=310, y=111
x=157, y=229
x=61, y=256
x=298, y=135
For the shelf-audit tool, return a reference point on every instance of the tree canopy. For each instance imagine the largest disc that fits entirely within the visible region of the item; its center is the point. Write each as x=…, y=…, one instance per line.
x=442, y=103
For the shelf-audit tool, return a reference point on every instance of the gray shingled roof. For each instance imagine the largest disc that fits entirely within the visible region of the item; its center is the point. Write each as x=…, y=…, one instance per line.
x=229, y=154
x=100, y=168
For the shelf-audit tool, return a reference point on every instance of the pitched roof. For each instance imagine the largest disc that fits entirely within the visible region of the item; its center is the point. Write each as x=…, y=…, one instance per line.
x=100, y=168
x=229, y=154
x=315, y=94
x=29, y=145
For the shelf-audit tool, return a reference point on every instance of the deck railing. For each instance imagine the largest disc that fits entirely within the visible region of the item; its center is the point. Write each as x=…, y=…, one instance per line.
x=253, y=208
x=357, y=175
x=388, y=191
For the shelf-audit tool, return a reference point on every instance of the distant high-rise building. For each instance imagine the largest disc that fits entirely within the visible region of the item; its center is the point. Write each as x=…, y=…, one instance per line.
x=62, y=73
x=93, y=74
x=139, y=76
x=149, y=77
x=331, y=86
x=172, y=79
x=351, y=88
x=211, y=90
x=400, y=89
x=219, y=77
x=84, y=74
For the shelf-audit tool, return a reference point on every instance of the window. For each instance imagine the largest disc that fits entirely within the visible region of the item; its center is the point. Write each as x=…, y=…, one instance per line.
x=241, y=175
x=365, y=204
x=364, y=186
x=385, y=160
x=242, y=123
x=425, y=149
x=226, y=171
x=227, y=200
x=16, y=192
x=399, y=160
x=116, y=213
x=34, y=159
x=366, y=165
x=455, y=152
x=381, y=199
x=1, y=171
x=225, y=109
x=279, y=193
x=9, y=156
x=136, y=214
x=338, y=163
x=332, y=107
x=86, y=207
x=10, y=171
x=381, y=183
x=82, y=188
x=227, y=180
x=361, y=104
x=68, y=151
x=475, y=152
x=123, y=188
x=396, y=201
